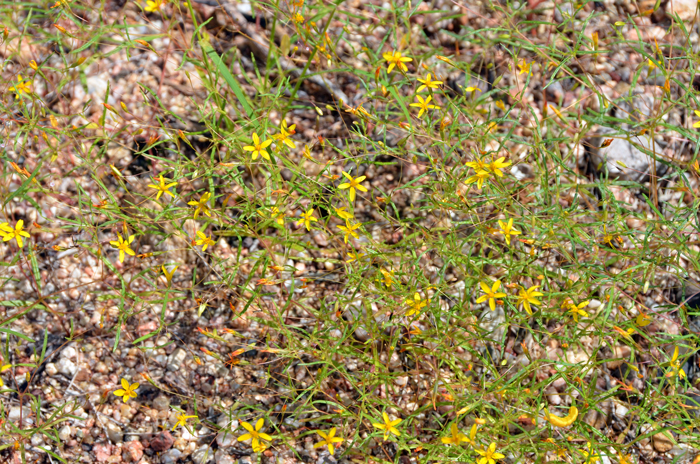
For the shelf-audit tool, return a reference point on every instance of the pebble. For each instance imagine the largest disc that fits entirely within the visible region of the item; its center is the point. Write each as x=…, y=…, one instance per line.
x=161, y=403
x=175, y=360
x=685, y=9
x=132, y=451
x=662, y=443
x=102, y=451
x=220, y=457
x=620, y=411
x=321, y=239
x=202, y=455
x=51, y=370
x=161, y=442
x=114, y=432
x=15, y=412
x=65, y=433
x=66, y=367
x=171, y=456
x=225, y=439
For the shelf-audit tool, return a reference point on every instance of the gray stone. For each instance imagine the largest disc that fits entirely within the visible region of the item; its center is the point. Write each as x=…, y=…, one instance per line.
x=16, y=412
x=220, y=457
x=161, y=403
x=175, y=360
x=114, y=432
x=202, y=455
x=326, y=459
x=171, y=456
x=225, y=439
x=623, y=159
x=37, y=439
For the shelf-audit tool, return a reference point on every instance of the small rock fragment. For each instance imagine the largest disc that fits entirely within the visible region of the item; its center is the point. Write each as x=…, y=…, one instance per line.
x=114, y=433
x=175, y=360
x=662, y=443
x=161, y=442
x=102, y=451
x=685, y=9
x=171, y=456
x=202, y=455
x=132, y=451
x=161, y=403
x=65, y=433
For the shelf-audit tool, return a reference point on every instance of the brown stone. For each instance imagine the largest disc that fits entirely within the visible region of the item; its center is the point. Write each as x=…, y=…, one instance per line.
x=662, y=443
x=162, y=442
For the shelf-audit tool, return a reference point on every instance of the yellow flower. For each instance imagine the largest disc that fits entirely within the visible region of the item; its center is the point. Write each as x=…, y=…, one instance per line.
x=357, y=111
x=328, y=439
x=456, y=437
x=479, y=178
x=307, y=154
x=428, y=83
x=298, y=18
x=355, y=256
x=624, y=458
x=154, y=5
x=590, y=455
x=697, y=124
x=277, y=215
x=349, y=230
x=21, y=86
x=478, y=165
x=258, y=147
x=495, y=166
x=507, y=229
x=416, y=305
x=285, y=132
x=524, y=67
x=388, y=277
x=528, y=297
x=577, y=310
x=182, y=420
x=123, y=246
x=389, y=426
x=490, y=455
x=202, y=205
x=342, y=214
x=204, y=240
x=424, y=105
x=352, y=185
x=8, y=233
x=395, y=59
x=169, y=274
x=307, y=218
x=162, y=187
x=127, y=391
x=472, y=435
x=676, y=366
x=255, y=434
x=490, y=294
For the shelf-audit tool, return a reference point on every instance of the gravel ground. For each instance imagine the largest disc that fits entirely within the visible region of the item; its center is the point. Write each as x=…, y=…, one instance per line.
x=90, y=344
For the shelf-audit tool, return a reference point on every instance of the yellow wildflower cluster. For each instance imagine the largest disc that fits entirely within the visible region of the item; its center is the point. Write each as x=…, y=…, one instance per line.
x=484, y=170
